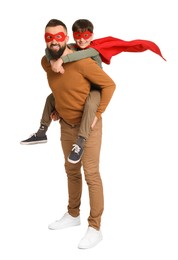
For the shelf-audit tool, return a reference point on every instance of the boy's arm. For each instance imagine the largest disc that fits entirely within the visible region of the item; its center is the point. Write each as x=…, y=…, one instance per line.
x=48, y=56
x=56, y=65
x=79, y=55
x=83, y=54
x=76, y=55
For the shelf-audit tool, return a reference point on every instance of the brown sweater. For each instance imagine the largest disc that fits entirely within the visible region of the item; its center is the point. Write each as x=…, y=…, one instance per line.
x=71, y=89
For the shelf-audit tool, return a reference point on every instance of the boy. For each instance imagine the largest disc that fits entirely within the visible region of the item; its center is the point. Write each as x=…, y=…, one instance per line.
x=83, y=31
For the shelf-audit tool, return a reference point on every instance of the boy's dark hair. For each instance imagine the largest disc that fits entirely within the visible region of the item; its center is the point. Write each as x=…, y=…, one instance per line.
x=82, y=25
x=55, y=22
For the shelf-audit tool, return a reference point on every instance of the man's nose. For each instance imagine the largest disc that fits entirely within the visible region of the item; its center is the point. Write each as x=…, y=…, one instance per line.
x=53, y=41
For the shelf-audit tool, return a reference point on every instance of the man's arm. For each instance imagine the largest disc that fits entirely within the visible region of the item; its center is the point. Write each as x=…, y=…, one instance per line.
x=93, y=73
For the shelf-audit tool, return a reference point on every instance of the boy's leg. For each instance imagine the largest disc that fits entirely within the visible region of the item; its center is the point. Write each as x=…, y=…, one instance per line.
x=40, y=135
x=46, y=116
x=90, y=108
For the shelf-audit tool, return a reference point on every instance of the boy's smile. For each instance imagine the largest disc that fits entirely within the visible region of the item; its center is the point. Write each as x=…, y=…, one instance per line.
x=83, y=39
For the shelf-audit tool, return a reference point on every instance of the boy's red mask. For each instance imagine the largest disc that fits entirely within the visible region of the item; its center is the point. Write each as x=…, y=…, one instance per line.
x=59, y=37
x=85, y=35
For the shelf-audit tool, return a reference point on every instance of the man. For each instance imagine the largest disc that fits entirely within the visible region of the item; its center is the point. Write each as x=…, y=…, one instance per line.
x=70, y=91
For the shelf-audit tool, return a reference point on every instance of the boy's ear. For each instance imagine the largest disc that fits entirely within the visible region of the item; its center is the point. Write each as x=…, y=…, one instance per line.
x=92, y=36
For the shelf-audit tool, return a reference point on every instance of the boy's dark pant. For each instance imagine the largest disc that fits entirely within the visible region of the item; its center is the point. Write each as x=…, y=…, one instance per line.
x=91, y=105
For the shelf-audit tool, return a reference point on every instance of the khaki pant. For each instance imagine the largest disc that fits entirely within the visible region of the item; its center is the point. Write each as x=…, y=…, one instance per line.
x=90, y=108
x=90, y=164
x=48, y=109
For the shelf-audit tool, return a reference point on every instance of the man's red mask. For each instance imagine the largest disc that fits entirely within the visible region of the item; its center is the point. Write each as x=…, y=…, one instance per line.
x=59, y=37
x=85, y=35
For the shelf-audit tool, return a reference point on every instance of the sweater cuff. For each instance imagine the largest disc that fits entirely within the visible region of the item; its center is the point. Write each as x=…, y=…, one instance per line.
x=65, y=58
x=98, y=115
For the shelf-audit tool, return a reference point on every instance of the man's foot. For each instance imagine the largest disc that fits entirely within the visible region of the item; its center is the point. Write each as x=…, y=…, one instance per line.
x=76, y=154
x=65, y=222
x=91, y=238
x=34, y=139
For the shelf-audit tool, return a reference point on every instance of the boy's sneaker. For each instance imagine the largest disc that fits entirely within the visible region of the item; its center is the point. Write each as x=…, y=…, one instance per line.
x=76, y=154
x=34, y=139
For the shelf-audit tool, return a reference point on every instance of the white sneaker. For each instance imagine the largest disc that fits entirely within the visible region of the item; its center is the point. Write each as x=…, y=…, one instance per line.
x=66, y=221
x=91, y=238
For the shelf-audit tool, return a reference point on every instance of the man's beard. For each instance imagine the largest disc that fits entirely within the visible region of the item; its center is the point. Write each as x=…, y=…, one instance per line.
x=56, y=54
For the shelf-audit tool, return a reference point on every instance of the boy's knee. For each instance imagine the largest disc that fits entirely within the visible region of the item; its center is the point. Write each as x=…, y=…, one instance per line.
x=50, y=99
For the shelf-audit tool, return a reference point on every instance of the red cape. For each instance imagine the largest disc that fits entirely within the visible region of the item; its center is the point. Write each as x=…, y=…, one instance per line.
x=110, y=46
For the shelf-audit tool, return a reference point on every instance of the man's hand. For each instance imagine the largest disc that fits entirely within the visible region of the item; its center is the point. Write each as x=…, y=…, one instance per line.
x=55, y=116
x=56, y=65
x=94, y=122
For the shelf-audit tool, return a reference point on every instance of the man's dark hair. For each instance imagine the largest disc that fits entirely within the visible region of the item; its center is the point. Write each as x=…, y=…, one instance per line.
x=55, y=22
x=82, y=25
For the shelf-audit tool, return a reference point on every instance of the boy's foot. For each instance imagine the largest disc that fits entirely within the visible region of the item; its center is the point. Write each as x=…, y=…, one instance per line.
x=76, y=154
x=34, y=139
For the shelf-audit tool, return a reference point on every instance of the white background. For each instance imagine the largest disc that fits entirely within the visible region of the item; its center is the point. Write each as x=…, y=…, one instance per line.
x=140, y=136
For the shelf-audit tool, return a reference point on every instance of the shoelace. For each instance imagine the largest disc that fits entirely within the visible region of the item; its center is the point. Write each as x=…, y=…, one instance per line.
x=33, y=135
x=76, y=148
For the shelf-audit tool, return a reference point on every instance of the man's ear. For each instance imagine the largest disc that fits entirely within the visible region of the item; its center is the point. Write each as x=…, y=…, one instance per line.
x=67, y=38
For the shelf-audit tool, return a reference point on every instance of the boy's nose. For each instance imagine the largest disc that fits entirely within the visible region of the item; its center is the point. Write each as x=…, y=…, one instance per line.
x=82, y=39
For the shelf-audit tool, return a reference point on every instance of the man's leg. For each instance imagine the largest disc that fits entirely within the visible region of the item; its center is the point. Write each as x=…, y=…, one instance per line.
x=90, y=108
x=68, y=135
x=74, y=178
x=93, y=179
x=90, y=160
x=40, y=135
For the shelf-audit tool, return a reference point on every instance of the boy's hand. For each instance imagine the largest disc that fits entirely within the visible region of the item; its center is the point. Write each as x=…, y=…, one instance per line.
x=56, y=65
x=55, y=116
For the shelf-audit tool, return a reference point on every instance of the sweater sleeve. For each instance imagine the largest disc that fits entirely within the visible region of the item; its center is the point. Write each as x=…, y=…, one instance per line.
x=45, y=64
x=83, y=54
x=92, y=72
x=48, y=56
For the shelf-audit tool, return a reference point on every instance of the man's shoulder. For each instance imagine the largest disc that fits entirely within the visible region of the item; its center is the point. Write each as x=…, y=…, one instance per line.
x=44, y=62
x=44, y=59
x=72, y=46
x=85, y=61
x=87, y=64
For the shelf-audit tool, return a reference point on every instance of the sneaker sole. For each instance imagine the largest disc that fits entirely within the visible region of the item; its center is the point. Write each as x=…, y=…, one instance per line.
x=34, y=142
x=74, y=162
